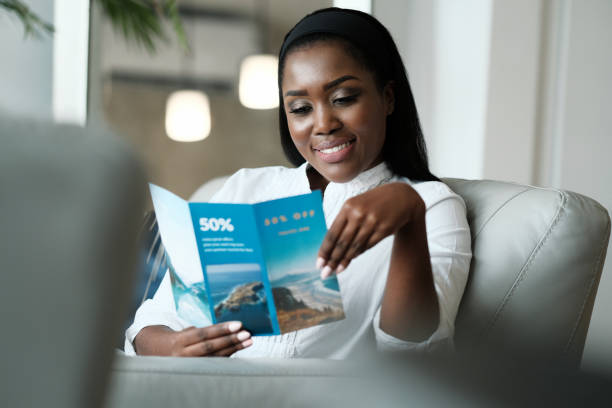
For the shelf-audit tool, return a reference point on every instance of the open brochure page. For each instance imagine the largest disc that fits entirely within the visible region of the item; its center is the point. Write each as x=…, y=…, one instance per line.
x=252, y=263
x=176, y=231
x=292, y=230
x=235, y=272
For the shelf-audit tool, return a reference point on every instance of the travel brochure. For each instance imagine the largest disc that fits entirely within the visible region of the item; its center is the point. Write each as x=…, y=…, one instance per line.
x=249, y=262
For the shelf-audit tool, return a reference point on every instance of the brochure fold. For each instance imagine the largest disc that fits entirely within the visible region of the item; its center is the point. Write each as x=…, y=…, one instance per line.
x=249, y=262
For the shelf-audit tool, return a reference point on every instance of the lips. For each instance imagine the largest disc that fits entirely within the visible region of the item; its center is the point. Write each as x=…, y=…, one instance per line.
x=332, y=144
x=335, y=148
x=334, y=151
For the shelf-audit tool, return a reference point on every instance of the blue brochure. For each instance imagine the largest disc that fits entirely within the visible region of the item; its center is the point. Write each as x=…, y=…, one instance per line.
x=249, y=262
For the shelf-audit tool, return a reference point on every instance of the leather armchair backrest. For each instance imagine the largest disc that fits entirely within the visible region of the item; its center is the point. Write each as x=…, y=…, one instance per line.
x=71, y=202
x=537, y=259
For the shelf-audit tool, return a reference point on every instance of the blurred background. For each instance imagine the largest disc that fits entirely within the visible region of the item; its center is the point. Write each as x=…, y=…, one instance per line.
x=516, y=90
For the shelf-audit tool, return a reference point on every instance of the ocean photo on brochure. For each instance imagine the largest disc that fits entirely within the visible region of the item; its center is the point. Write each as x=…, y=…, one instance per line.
x=254, y=263
x=181, y=256
x=238, y=293
x=292, y=232
x=191, y=301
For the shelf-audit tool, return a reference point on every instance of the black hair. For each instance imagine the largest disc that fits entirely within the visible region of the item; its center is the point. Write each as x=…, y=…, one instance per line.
x=404, y=148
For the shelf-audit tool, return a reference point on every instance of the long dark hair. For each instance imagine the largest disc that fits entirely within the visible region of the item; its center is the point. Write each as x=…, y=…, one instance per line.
x=404, y=149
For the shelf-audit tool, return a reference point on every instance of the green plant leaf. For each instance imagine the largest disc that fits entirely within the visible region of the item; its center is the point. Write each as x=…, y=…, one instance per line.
x=32, y=24
x=138, y=21
x=172, y=12
x=141, y=21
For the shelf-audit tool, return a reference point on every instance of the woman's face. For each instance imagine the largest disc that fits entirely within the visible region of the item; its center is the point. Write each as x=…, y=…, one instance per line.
x=335, y=112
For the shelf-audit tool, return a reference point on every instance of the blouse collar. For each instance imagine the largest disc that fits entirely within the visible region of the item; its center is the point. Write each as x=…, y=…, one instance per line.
x=364, y=181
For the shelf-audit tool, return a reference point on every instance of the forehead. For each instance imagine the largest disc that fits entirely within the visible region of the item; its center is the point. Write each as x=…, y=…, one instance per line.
x=319, y=63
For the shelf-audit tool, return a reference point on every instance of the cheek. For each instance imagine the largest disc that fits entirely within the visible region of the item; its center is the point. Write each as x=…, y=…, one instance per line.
x=366, y=122
x=299, y=131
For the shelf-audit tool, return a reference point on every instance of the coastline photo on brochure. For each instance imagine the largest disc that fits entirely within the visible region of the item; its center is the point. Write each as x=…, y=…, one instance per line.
x=249, y=262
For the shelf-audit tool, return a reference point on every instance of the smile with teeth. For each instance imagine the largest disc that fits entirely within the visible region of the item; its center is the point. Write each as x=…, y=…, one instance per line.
x=336, y=148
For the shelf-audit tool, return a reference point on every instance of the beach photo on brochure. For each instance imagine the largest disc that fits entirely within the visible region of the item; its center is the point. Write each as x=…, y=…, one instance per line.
x=292, y=232
x=249, y=262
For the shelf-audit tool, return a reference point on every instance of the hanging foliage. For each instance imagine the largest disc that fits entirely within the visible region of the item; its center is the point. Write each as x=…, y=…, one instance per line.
x=32, y=24
x=139, y=21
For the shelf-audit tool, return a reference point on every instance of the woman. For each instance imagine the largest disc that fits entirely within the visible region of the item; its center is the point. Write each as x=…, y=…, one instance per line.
x=398, y=238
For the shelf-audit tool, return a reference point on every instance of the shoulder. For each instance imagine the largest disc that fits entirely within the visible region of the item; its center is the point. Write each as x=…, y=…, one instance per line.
x=448, y=229
x=445, y=209
x=434, y=193
x=251, y=185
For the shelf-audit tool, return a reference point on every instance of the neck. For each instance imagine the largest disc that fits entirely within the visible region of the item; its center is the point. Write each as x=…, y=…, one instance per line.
x=316, y=180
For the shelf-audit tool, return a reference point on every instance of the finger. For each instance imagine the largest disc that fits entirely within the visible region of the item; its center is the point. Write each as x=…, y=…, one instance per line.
x=210, y=347
x=358, y=245
x=228, y=351
x=359, y=222
x=343, y=243
x=330, y=239
x=375, y=238
x=195, y=335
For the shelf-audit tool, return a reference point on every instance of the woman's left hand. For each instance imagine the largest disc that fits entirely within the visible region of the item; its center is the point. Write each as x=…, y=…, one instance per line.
x=364, y=221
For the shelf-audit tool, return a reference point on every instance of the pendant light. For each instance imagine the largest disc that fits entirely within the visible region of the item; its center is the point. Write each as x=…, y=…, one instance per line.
x=188, y=116
x=258, y=87
x=188, y=111
x=258, y=83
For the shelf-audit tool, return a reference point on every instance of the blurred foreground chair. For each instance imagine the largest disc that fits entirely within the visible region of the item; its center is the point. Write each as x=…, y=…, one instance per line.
x=71, y=203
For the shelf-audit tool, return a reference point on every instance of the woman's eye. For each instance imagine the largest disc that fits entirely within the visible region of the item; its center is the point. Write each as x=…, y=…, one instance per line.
x=345, y=100
x=299, y=109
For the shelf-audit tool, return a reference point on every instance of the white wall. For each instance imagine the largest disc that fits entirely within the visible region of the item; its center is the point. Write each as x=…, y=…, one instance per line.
x=448, y=79
x=512, y=91
x=585, y=140
x=411, y=24
x=473, y=66
x=70, y=57
x=517, y=90
x=461, y=72
x=27, y=66
x=46, y=78
x=361, y=5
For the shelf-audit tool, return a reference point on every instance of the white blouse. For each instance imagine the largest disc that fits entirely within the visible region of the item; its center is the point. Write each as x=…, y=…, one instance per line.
x=361, y=284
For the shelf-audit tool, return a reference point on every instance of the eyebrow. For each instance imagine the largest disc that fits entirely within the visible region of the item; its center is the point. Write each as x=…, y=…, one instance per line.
x=327, y=86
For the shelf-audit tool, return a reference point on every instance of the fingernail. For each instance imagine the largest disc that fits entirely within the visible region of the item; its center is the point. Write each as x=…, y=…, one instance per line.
x=234, y=326
x=320, y=262
x=247, y=343
x=326, y=272
x=340, y=268
x=243, y=335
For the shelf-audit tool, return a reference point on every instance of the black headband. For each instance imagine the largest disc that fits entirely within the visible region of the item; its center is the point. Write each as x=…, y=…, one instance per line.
x=355, y=26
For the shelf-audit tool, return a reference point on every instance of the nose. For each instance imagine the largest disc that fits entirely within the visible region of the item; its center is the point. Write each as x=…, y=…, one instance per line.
x=326, y=121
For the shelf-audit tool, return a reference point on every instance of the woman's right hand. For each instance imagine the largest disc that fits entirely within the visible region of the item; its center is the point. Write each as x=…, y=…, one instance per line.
x=221, y=339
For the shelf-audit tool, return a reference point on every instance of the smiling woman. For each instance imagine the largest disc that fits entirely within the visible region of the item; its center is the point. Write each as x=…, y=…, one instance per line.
x=337, y=121
x=398, y=238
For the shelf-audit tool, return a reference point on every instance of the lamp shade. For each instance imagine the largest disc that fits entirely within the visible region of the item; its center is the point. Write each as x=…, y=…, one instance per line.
x=187, y=116
x=258, y=87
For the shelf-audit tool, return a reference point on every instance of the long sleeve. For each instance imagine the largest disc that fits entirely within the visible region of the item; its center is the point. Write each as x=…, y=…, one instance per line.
x=159, y=310
x=449, y=242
